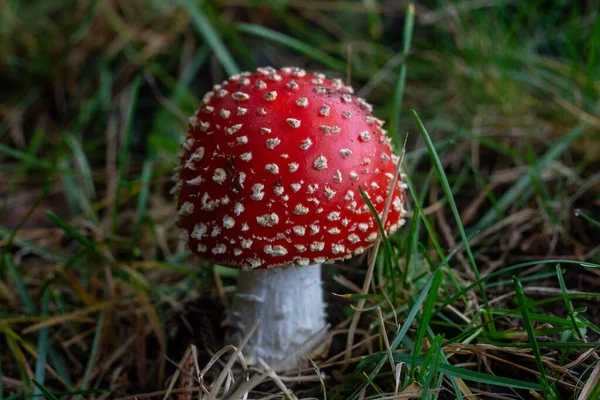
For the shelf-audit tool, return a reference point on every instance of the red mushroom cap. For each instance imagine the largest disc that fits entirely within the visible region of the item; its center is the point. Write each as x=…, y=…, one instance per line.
x=271, y=168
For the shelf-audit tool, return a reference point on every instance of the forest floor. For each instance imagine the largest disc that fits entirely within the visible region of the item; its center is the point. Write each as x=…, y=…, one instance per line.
x=493, y=288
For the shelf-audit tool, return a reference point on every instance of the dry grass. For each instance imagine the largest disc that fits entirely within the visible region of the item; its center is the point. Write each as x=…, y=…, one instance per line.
x=99, y=298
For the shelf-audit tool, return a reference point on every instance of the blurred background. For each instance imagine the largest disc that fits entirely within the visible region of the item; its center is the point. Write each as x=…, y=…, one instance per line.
x=97, y=294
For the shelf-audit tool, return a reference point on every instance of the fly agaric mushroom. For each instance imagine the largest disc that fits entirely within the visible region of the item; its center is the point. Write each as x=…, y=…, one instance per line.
x=269, y=184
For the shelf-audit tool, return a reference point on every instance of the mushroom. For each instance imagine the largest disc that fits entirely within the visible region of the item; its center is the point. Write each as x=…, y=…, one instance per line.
x=269, y=184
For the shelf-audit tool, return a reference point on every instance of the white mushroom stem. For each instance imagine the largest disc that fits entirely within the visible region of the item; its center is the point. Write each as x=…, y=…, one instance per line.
x=288, y=303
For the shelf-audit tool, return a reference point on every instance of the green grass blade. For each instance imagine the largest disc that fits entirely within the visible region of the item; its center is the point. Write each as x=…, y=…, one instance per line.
x=123, y=157
x=60, y=365
x=579, y=213
x=143, y=196
x=76, y=392
x=589, y=265
x=78, y=199
x=531, y=278
x=83, y=163
x=426, y=316
x=541, y=190
x=409, y=23
x=71, y=190
x=485, y=187
x=85, y=24
x=40, y=200
x=419, y=210
x=40, y=389
x=538, y=317
x=31, y=247
x=21, y=288
x=589, y=324
x=487, y=379
x=42, y=347
x=452, y=379
x=502, y=271
x=448, y=192
x=591, y=388
x=524, y=182
x=186, y=78
x=432, y=367
x=210, y=35
x=25, y=157
x=412, y=247
x=563, y=288
x=12, y=340
x=295, y=44
x=457, y=372
x=373, y=19
x=94, y=351
x=415, y=308
x=69, y=230
x=401, y=332
x=551, y=345
x=522, y=301
x=167, y=124
x=574, y=296
x=384, y=240
x=125, y=146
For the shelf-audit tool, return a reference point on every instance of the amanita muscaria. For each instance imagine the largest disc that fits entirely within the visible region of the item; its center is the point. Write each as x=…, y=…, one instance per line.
x=269, y=184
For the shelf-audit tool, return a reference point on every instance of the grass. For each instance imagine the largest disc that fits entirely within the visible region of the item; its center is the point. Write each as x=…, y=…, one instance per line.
x=489, y=291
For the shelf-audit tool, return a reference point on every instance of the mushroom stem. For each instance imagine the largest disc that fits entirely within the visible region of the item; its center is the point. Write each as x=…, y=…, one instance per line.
x=288, y=303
